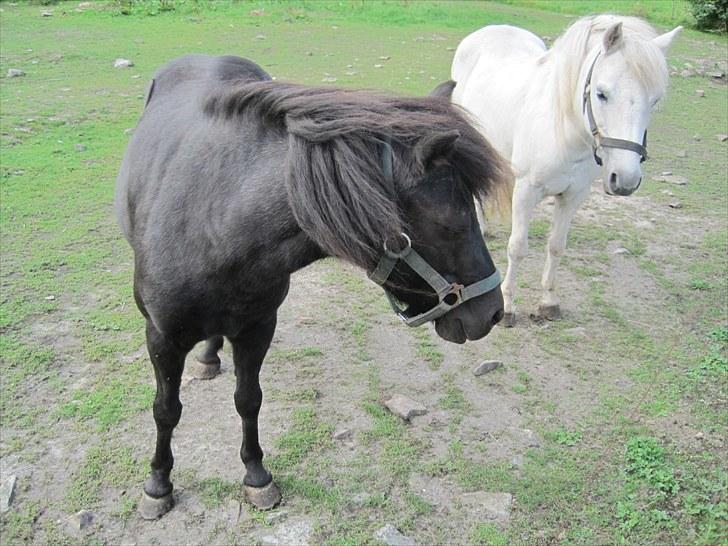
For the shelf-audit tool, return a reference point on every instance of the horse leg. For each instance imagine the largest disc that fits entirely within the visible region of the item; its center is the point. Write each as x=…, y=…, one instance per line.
x=207, y=363
x=168, y=361
x=249, y=349
x=525, y=198
x=564, y=210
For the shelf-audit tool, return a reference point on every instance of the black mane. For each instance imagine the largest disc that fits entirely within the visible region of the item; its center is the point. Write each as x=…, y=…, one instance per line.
x=337, y=188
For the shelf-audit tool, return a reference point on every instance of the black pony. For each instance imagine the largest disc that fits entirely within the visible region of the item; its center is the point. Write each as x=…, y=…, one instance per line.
x=232, y=182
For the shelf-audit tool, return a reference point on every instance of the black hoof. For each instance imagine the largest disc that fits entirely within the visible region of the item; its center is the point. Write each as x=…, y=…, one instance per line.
x=151, y=508
x=508, y=320
x=200, y=370
x=263, y=498
x=549, y=312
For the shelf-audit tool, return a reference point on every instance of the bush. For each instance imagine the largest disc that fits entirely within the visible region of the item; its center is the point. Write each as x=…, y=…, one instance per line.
x=710, y=14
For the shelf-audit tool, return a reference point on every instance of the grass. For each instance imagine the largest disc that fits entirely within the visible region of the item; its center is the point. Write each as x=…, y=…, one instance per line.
x=619, y=471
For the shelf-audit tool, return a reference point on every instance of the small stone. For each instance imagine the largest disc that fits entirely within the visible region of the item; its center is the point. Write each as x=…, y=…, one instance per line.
x=699, y=436
x=276, y=517
x=404, y=407
x=681, y=153
x=722, y=138
x=495, y=506
x=136, y=76
x=84, y=5
x=123, y=63
x=342, y=434
x=81, y=520
x=697, y=138
x=309, y=53
x=700, y=92
x=687, y=73
x=80, y=147
x=46, y=13
x=666, y=173
x=7, y=492
x=390, y=536
x=328, y=79
x=675, y=205
x=621, y=251
x=671, y=179
x=517, y=461
x=486, y=366
x=294, y=532
x=384, y=58
x=530, y=438
x=351, y=72
x=15, y=73
x=378, y=65
x=260, y=37
x=577, y=331
x=717, y=75
x=668, y=193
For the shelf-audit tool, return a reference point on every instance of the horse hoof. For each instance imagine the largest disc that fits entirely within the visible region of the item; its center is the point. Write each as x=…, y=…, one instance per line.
x=151, y=508
x=263, y=498
x=200, y=370
x=549, y=312
x=508, y=320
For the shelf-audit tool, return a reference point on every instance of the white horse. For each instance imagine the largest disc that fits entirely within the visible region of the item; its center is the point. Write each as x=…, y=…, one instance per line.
x=560, y=114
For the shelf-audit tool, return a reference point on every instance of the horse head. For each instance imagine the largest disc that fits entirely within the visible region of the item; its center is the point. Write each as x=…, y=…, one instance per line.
x=625, y=77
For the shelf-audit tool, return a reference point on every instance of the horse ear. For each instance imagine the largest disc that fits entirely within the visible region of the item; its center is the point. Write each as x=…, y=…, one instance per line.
x=663, y=41
x=612, y=37
x=435, y=146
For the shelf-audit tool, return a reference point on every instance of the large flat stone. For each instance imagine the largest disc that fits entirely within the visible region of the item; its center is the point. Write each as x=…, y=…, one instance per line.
x=404, y=407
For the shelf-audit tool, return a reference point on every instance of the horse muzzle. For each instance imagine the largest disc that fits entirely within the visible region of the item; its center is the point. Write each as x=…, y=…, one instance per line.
x=473, y=320
x=616, y=184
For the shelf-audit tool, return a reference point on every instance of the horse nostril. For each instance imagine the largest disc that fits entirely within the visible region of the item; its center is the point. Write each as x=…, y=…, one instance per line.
x=497, y=317
x=613, y=181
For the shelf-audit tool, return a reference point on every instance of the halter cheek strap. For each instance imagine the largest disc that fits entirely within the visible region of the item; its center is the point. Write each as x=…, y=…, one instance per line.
x=600, y=140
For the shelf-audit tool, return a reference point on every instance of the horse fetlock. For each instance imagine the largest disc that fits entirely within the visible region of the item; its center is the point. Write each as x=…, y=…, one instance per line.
x=256, y=475
x=509, y=320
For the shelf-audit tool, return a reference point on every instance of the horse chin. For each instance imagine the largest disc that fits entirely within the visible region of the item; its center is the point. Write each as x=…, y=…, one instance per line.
x=451, y=330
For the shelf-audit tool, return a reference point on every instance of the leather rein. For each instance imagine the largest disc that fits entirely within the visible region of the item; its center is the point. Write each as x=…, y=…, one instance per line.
x=600, y=139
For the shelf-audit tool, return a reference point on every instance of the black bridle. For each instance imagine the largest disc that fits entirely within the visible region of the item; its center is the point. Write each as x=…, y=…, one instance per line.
x=450, y=295
x=601, y=140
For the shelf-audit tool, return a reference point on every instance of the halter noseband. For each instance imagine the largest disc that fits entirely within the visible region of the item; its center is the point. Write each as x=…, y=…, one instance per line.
x=450, y=295
x=600, y=140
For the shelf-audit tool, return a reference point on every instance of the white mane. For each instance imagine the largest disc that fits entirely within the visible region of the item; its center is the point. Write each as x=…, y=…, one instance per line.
x=644, y=60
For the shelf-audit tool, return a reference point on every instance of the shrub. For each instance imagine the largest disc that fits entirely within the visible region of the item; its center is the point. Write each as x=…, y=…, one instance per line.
x=710, y=14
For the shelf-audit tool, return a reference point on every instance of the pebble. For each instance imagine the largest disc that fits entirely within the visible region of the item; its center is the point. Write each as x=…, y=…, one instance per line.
x=294, y=532
x=621, y=251
x=80, y=147
x=668, y=193
x=530, y=438
x=486, y=366
x=328, y=79
x=276, y=517
x=7, y=492
x=378, y=65
x=14, y=73
x=681, y=153
x=722, y=138
x=578, y=330
x=405, y=407
x=342, y=434
x=390, y=536
x=675, y=205
x=700, y=92
x=123, y=63
x=384, y=58
x=46, y=14
x=671, y=179
x=81, y=520
x=493, y=505
x=717, y=75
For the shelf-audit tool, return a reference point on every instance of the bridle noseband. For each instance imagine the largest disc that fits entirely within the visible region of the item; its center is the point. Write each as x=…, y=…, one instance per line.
x=600, y=140
x=450, y=295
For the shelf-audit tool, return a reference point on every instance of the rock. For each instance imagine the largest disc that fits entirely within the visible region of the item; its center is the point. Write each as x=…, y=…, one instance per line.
x=517, y=461
x=328, y=79
x=378, y=65
x=668, y=193
x=404, y=407
x=681, y=153
x=675, y=205
x=666, y=173
x=717, y=75
x=699, y=436
x=276, y=517
x=390, y=536
x=80, y=147
x=577, y=331
x=123, y=63
x=621, y=251
x=81, y=520
x=486, y=366
x=697, y=138
x=14, y=73
x=687, y=73
x=722, y=138
x=46, y=13
x=351, y=72
x=495, y=506
x=671, y=179
x=384, y=58
x=260, y=37
x=7, y=492
x=232, y=511
x=84, y=5
x=342, y=434
x=700, y=92
x=530, y=438
x=296, y=533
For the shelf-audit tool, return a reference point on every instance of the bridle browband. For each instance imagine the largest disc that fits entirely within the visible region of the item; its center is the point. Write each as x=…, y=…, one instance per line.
x=450, y=295
x=600, y=140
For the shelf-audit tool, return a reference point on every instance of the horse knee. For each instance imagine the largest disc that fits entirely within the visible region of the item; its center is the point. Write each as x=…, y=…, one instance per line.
x=248, y=404
x=167, y=413
x=517, y=249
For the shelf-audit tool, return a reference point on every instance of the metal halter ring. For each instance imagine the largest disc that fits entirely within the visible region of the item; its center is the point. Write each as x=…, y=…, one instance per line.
x=402, y=252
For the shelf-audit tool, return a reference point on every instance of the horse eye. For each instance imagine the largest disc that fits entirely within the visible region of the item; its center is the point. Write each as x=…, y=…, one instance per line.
x=601, y=96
